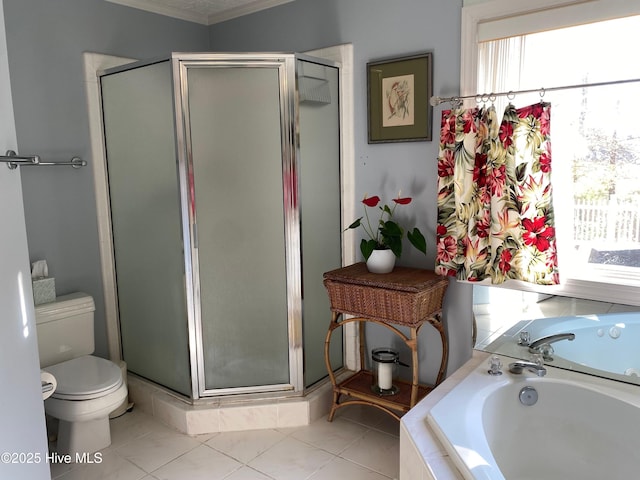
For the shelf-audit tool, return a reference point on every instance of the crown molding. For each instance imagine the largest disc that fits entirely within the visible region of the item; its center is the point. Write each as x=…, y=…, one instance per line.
x=201, y=17
x=245, y=10
x=155, y=7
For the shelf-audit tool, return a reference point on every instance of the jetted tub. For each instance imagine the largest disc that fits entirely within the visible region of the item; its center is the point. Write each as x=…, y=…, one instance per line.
x=580, y=427
x=606, y=344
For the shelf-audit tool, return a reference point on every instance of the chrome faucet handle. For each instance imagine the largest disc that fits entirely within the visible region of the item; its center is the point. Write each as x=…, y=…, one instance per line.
x=537, y=358
x=495, y=366
x=534, y=347
x=524, y=338
x=518, y=367
x=547, y=351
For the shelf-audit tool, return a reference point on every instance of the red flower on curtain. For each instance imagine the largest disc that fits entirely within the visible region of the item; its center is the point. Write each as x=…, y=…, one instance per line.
x=506, y=134
x=448, y=128
x=495, y=209
x=480, y=170
x=447, y=248
x=498, y=180
x=545, y=163
x=469, y=121
x=504, y=264
x=545, y=122
x=534, y=110
x=483, y=226
x=445, y=164
x=537, y=233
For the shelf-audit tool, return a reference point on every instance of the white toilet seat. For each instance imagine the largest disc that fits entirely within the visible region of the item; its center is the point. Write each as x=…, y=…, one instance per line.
x=85, y=378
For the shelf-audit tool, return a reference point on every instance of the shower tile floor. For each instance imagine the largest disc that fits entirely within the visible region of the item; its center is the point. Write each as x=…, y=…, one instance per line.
x=362, y=443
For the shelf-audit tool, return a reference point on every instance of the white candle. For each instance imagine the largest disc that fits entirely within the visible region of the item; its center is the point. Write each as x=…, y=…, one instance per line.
x=385, y=373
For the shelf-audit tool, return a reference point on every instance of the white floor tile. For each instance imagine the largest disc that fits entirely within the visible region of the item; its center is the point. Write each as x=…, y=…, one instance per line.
x=333, y=437
x=59, y=469
x=201, y=463
x=363, y=414
x=377, y=451
x=133, y=425
x=291, y=459
x=247, y=473
x=246, y=445
x=143, y=448
x=340, y=468
x=112, y=466
x=156, y=449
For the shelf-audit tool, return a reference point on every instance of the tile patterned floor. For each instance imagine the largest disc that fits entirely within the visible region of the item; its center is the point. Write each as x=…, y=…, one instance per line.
x=362, y=443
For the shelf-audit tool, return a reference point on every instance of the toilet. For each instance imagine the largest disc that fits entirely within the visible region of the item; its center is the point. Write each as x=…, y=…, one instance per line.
x=88, y=388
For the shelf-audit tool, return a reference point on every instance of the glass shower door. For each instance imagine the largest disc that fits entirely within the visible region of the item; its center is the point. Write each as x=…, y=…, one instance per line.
x=219, y=253
x=233, y=132
x=320, y=198
x=146, y=223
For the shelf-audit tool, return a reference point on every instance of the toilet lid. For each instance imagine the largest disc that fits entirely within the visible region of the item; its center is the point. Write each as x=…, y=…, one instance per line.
x=85, y=377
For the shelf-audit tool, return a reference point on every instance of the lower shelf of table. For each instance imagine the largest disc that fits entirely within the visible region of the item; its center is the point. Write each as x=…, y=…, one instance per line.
x=359, y=386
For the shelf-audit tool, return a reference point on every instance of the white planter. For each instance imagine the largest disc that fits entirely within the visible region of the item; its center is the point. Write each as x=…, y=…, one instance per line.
x=381, y=261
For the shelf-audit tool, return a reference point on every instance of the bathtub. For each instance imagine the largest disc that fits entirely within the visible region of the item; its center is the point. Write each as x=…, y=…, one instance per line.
x=605, y=344
x=580, y=427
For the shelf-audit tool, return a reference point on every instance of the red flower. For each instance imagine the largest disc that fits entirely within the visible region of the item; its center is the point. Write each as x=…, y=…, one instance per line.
x=537, y=233
x=545, y=121
x=483, y=224
x=446, y=163
x=441, y=230
x=498, y=180
x=545, y=163
x=505, y=261
x=480, y=170
x=448, y=128
x=402, y=201
x=506, y=134
x=468, y=121
x=447, y=249
x=534, y=110
x=371, y=201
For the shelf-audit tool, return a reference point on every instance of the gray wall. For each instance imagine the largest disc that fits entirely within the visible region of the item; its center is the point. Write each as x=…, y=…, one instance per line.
x=379, y=29
x=45, y=44
x=45, y=41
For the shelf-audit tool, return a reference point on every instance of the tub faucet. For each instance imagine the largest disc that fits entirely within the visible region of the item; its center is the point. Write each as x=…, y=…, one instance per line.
x=520, y=365
x=536, y=346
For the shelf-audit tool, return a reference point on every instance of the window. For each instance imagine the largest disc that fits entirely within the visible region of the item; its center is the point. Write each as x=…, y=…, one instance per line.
x=595, y=137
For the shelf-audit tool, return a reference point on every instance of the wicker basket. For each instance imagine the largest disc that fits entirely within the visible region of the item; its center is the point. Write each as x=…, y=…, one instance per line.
x=406, y=296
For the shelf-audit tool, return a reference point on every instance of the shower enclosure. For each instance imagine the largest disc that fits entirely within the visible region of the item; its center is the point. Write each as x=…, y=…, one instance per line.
x=225, y=199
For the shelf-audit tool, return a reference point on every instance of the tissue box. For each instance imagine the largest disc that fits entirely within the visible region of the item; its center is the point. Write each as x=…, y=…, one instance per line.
x=44, y=290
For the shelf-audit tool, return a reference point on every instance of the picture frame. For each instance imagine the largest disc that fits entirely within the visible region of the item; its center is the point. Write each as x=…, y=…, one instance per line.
x=398, y=95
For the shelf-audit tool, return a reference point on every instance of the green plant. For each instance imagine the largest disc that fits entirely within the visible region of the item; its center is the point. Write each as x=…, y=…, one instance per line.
x=388, y=234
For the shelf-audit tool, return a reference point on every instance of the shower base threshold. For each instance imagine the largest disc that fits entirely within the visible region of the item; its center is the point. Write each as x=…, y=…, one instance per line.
x=226, y=415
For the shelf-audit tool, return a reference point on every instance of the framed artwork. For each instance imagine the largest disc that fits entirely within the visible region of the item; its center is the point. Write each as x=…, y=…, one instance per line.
x=398, y=93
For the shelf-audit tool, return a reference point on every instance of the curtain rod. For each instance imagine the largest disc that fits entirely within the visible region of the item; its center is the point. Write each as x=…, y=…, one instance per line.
x=486, y=97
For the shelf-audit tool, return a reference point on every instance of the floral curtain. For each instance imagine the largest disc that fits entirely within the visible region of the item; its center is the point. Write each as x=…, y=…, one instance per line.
x=495, y=210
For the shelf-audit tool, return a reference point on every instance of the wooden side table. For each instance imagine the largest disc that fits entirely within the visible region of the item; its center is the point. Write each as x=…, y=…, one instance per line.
x=407, y=297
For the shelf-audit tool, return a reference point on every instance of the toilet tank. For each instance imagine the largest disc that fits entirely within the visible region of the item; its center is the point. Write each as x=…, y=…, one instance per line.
x=65, y=328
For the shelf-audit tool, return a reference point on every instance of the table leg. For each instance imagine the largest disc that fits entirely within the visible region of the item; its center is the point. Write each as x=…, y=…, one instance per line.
x=413, y=345
x=327, y=360
x=445, y=354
